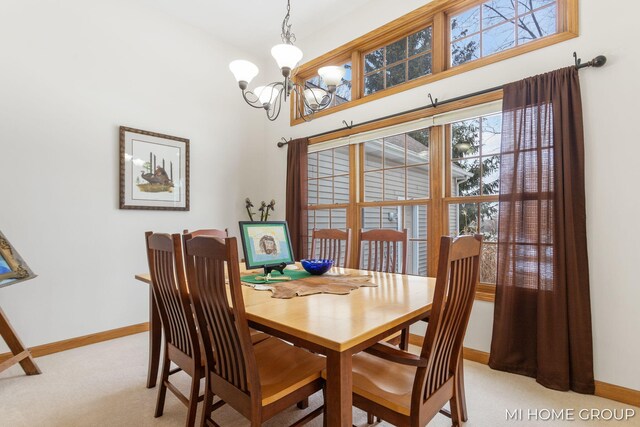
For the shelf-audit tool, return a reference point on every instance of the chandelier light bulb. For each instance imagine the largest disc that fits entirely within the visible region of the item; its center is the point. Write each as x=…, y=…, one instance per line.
x=332, y=75
x=287, y=57
x=243, y=71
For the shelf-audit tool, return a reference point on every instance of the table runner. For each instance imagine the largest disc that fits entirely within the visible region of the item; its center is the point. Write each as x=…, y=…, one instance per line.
x=306, y=284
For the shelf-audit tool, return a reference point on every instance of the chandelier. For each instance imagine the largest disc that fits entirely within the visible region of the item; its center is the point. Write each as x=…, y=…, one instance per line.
x=270, y=97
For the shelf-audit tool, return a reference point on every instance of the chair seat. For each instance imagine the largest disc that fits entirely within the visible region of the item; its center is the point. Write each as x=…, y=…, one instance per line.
x=386, y=383
x=284, y=368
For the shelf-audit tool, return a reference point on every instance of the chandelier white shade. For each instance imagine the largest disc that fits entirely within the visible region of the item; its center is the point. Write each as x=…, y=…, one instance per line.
x=287, y=56
x=310, y=98
x=332, y=75
x=243, y=71
x=314, y=96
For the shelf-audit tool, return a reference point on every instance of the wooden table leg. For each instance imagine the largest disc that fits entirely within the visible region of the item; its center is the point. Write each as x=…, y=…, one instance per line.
x=339, y=384
x=20, y=353
x=155, y=340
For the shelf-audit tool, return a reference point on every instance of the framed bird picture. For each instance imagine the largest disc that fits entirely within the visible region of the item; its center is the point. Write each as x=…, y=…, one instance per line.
x=154, y=171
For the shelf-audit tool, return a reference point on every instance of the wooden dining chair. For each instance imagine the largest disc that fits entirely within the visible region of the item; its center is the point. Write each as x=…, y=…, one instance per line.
x=213, y=232
x=409, y=390
x=386, y=250
x=181, y=345
x=258, y=380
x=332, y=244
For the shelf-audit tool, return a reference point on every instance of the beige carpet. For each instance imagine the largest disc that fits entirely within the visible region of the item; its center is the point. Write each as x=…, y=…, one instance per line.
x=104, y=385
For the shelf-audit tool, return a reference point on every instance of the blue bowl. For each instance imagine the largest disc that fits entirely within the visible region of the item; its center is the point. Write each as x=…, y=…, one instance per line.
x=316, y=266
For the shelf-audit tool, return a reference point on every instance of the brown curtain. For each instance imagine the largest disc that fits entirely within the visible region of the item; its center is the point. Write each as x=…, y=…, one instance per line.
x=542, y=319
x=296, y=212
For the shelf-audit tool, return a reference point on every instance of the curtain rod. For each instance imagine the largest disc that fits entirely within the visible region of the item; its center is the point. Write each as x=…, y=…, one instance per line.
x=597, y=62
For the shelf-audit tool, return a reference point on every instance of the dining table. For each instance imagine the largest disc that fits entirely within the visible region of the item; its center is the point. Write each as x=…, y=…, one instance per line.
x=337, y=326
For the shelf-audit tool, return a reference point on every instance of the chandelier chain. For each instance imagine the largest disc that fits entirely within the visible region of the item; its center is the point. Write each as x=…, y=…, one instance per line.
x=287, y=36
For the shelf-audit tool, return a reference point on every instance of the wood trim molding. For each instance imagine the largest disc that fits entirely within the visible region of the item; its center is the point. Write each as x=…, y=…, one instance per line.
x=618, y=393
x=606, y=390
x=68, y=344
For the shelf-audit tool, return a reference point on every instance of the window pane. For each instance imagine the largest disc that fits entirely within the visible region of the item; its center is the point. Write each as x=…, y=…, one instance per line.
x=465, y=50
x=341, y=160
x=418, y=146
x=465, y=138
x=489, y=221
x=465, y=24
x=394, y=151
x=325, y=163
x=312, y=192
x=489, y=263
x=523, y=6
x=415, y=221
x=418, y=182
x=543, y=25
x=498, y=38
x=339, y=218
x=420, y=66
x=491, y=134
x=495, y=12
x=312, y=167
x=394, y=184
x=396, y=51
x=341, y=189
x=463, y=218
x=465, y=176
x=343, y=91
x=372, y=186
x=373, y=60
x=396, y=74
x=325, y=191
x=322, y=219
x=391, y=218
x=417, y=258
x=373, y=83
x=420, y=42
x=373, y=154
x=371, y=218
x=490, y=175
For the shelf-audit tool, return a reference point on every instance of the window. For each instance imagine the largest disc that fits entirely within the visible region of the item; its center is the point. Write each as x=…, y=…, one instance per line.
x=439, y=40
x=475, y=171
x=403, y=60
x=498, y=25
x=394, y=178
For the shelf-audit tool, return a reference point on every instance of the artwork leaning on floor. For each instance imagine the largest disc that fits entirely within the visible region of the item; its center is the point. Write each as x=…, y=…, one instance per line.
x=13, y=269
x=154, y=171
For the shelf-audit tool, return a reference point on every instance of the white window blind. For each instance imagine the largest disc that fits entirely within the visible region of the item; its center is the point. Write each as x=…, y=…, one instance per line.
x=438, y=119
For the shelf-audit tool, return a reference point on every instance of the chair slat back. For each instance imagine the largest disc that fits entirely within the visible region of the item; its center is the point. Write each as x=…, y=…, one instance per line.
x=232, y=358
x=386, y=251
x=458, y=274
x=213, y=232
x=164, y=255
x=332, y=244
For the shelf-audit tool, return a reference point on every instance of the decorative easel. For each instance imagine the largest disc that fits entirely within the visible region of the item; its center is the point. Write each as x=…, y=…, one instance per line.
x=21, y=354
x=13, y=270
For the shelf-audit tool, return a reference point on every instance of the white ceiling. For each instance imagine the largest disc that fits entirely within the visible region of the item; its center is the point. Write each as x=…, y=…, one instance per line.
x=255, y=25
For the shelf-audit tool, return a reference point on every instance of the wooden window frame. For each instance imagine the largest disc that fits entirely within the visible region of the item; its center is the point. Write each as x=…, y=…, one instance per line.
x=437, y=204
x=436, y=14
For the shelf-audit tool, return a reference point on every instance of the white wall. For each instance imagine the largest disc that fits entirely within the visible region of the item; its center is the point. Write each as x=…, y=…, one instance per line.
x=610, y=110
x=71, y=72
